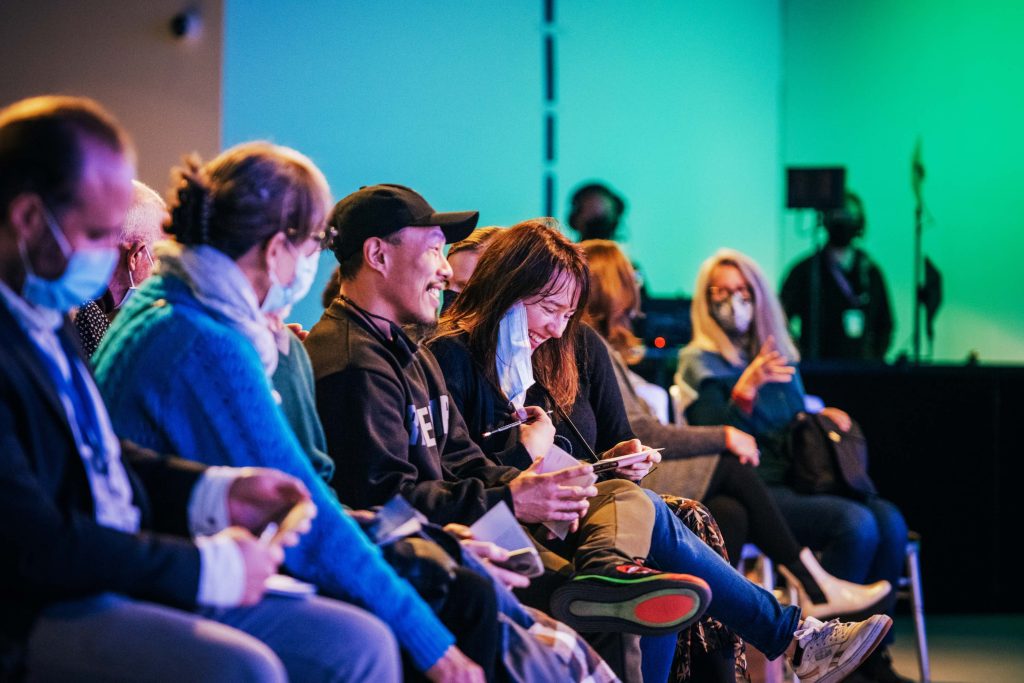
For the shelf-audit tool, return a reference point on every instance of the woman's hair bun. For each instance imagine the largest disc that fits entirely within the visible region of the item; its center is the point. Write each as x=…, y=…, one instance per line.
x=192, y=209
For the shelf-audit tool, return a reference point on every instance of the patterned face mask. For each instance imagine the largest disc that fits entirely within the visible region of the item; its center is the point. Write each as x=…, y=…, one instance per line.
x=734, y=314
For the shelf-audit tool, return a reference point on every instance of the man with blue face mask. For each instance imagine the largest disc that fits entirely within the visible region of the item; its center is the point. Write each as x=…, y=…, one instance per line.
x=142, y=228
x=120, y=563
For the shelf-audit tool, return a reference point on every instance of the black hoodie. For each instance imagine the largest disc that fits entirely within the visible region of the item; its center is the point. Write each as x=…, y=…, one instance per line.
x=391, y=426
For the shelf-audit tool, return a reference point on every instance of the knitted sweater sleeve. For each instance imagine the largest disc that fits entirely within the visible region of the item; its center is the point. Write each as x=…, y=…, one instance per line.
x=679, y=441
x=223, y=385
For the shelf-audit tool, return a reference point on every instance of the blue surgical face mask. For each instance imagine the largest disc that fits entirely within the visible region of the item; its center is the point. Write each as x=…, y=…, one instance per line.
x=514, y=357
x=282, y=296
x=84, y=278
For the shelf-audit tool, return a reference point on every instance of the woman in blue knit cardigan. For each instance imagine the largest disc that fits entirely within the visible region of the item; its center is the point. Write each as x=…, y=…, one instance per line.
x=186, y=366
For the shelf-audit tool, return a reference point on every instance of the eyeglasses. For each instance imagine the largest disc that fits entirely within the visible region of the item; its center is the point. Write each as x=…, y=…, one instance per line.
x=324, y=238
x=720, y=294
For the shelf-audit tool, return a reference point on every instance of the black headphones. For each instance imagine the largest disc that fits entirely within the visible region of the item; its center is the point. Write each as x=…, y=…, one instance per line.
x=594, y=188
x=842, y=216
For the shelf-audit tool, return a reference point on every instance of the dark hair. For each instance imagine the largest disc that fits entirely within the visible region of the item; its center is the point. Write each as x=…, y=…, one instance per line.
x=519, y=263
x=587, y=190
x=41, y=146
x=349, y=266
x=332, y=288
x=833, y=216
x=476, y=240
x=247, y=195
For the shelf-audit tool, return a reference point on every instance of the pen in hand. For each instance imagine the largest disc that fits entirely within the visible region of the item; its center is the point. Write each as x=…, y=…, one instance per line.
x=510, y=425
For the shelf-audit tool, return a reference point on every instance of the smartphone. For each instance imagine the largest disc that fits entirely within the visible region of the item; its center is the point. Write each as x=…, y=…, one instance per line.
x=523, y=561
x=608, y=464
x=299, y=513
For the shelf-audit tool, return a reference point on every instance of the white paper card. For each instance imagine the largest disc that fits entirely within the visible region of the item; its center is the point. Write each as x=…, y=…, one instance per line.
x=558, y=459
x=499, y=527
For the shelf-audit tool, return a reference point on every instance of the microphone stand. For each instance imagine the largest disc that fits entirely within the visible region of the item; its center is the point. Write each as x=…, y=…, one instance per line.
x=918, y=285
x=916, y=180
x=814, y=316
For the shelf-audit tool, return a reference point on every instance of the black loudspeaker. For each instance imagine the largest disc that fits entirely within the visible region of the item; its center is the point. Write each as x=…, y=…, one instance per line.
x=822, y=188
x=665, y=323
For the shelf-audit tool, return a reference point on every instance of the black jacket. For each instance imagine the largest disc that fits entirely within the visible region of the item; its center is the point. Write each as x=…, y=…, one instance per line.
x=598, y=413
x=869, y=295
x=54, y=549
x=391, y=426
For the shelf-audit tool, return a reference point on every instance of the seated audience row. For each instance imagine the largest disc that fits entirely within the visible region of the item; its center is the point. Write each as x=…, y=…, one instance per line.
x=129, y=562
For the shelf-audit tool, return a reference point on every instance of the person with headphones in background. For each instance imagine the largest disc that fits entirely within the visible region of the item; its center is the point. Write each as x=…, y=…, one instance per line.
x=850, y=316
x=595, y=211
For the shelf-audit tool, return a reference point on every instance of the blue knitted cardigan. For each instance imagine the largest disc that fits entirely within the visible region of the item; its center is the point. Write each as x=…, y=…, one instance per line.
x=178, y=380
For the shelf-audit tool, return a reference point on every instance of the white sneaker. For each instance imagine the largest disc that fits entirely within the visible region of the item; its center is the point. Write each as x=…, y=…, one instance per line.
x=841, y=597
x=828, y=652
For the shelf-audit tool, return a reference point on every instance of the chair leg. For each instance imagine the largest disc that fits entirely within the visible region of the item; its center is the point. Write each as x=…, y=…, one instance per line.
x=767, y=573
x=774, y=671
x=760, y=568
x=917, y=606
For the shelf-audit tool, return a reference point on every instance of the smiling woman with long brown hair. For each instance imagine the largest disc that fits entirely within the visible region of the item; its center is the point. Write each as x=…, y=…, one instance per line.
x=539, y=268
x=518, y=320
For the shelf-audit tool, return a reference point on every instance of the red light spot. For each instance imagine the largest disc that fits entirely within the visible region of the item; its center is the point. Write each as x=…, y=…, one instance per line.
x=664, y=609
x=659, y=342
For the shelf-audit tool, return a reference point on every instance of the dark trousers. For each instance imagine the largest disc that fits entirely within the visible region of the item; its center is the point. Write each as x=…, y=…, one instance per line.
x=471, y=614
x=616, y=529
x=745, y=510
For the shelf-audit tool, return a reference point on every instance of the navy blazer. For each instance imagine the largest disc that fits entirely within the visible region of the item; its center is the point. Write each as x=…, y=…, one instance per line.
x=53, y=549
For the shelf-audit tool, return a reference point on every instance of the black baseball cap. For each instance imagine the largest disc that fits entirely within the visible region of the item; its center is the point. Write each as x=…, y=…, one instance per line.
x=379, y=210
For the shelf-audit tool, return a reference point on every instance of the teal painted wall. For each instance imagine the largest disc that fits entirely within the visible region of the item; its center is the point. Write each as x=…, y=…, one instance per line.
x=863, y=81
x=690, y=110
x=442, y=96
x=676, y=105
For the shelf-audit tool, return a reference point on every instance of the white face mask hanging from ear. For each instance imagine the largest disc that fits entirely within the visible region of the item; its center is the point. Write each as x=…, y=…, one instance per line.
x=513, y=356
x=132, y=288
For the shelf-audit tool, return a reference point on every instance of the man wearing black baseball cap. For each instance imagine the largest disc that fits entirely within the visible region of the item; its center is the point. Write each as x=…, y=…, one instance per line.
x=380, y=210
x=381, y=397
x=400, y=239
x=386, y=410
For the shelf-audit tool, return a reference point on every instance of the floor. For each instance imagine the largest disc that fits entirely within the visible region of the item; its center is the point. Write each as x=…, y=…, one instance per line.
x=965, y=648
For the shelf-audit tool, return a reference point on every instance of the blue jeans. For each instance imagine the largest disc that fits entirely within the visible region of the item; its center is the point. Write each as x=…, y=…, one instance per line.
x=862, y=542
x=749, y=610
x=114, y=637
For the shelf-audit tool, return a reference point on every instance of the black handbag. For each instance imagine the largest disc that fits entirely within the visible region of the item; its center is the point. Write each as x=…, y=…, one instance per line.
x=824, y=459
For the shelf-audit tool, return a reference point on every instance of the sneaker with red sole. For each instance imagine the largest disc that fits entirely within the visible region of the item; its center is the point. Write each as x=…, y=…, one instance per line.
x=631, y=598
